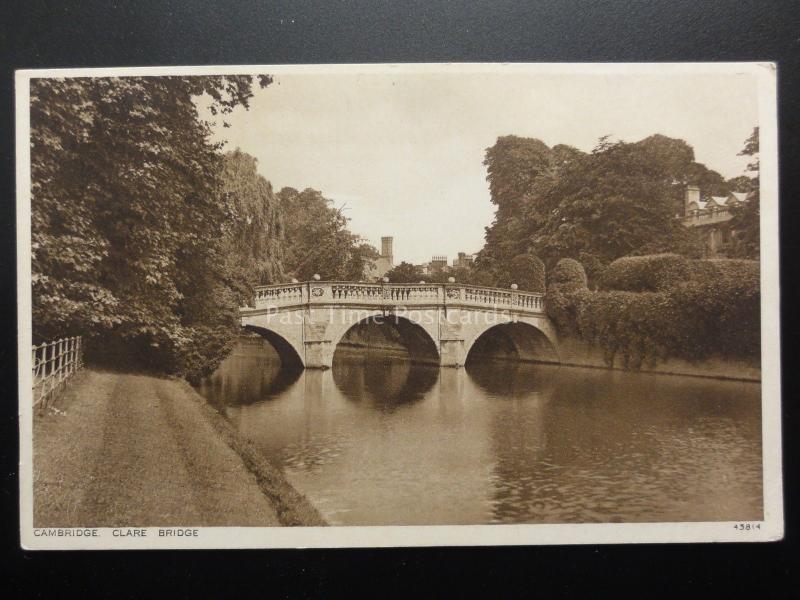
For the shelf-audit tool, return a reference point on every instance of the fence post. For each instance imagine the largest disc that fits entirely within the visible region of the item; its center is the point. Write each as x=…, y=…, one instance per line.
x=53, y=363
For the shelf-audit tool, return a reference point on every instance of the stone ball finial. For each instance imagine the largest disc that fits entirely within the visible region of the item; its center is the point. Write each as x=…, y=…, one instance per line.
x=385, y=280
x=451, y=280
x=514, y=286
x=315, y=277
x=294, y=280
x=422, y=281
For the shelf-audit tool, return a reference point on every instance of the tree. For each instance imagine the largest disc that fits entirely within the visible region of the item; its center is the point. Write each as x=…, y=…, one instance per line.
x=405, y=273
x=253, y=244
x=620, y=199
x=527, y=271
x=746, y=221
x=127, y=219
x=317, y=240
x=520, y=171
x=616, y=200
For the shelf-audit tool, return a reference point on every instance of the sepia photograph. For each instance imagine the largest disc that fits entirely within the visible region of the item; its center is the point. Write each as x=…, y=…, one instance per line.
x=398, y=305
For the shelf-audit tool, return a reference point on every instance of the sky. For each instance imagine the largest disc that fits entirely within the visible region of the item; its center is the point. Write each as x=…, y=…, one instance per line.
x=402, y=153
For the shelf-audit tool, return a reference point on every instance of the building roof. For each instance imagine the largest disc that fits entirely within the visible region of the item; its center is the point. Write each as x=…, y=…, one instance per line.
x=740, y=196
x=720, y=200
x=699, y=204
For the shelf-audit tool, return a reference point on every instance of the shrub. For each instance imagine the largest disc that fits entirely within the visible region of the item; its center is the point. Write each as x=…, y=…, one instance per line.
x=595, y=268
x=628, y=325
x=527, y=271
x=566, y=289
x=649, y=273
x=713, y=310
x=568, y=272
x=748, y=270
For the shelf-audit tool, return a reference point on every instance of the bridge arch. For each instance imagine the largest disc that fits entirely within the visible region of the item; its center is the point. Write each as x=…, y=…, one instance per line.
x=291, y=356
x=518, y=340
x=421, y=345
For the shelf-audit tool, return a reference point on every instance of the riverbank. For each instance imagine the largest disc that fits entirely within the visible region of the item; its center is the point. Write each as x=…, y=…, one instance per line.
x=121, y=449
x=577, y=353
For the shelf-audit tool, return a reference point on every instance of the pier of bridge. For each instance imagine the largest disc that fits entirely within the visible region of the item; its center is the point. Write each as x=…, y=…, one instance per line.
x=438, y=323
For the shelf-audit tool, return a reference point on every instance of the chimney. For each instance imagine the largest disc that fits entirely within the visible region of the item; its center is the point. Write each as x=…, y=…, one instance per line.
x=386, y=247
x=692, y=195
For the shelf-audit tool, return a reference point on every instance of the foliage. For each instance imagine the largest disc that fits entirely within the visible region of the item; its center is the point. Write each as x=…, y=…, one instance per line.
x=253, y=244
x=746, y=221
x=317, y=240
x=405, y=273
x=618, y=200
x=566, y=284
x=127, y=218
x=526, y=270
x=663, y=307
x=595, y=268
x=649, y=273
x=568, y=274
x=520, y=171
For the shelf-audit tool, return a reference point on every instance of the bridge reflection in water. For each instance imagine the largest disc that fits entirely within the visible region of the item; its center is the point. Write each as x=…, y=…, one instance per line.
x=377, y=440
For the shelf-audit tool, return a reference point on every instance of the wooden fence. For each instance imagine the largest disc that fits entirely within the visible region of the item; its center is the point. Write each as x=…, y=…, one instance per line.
x=54, y=363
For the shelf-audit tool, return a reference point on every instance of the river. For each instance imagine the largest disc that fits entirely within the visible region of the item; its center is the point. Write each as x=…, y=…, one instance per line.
x=379, y=441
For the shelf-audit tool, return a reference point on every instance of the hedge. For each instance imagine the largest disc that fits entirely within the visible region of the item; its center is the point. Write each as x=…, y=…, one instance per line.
x=566, y=285
x=649, y=273
x=713, y=309
x=569, y=272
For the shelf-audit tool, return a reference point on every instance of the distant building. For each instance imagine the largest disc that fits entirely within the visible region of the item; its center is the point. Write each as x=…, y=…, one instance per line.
x=384, y=263
x=438, y=264
x=463, y=261
x=711, y=216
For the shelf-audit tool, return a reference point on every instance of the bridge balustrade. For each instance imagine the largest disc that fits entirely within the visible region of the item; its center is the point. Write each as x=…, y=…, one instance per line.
x=395, y=294
x=280, y=295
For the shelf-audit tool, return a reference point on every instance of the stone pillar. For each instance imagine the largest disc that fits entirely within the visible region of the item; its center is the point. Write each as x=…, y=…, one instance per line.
x=319, y=354
x=316, y=340
x=452, y=353
x=452, y=347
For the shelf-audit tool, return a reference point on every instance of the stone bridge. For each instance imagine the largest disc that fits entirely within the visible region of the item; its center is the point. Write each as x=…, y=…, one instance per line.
x=438, y=323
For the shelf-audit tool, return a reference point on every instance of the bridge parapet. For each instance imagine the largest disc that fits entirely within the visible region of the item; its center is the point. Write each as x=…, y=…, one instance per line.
x=396, y=295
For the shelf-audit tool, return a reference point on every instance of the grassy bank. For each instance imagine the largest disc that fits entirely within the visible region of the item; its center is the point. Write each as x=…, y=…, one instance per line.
x=121, y=449
x=291, y=506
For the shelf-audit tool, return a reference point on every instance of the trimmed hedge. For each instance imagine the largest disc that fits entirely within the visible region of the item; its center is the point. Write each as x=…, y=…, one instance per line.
x=711, y=309
x=569, y=272
x=649, y=273
x=657, y=272
x=566, y=286
x=529, y=272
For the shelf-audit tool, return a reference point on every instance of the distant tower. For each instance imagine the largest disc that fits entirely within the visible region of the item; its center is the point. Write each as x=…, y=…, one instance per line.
x=376, y=269
x=692, y=196
x=386, y=248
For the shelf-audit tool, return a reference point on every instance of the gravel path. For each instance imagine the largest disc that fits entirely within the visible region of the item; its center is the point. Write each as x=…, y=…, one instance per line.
x=133, y=450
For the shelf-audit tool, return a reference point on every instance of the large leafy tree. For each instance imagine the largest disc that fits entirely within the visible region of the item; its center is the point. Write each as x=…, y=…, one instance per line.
x=746, y=218
x=253, y=244
x=318, y=241
x=622, y=198
x=127, y=216
x=619, y=200
x=520, y=172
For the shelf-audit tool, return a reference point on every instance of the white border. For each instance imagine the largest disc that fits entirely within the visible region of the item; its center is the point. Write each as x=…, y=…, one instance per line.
x=771, y=528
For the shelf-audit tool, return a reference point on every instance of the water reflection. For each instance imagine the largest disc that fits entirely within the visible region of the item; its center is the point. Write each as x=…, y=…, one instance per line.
x=514, y=380
x=383, y=381
x=381, y=441
x=253, y=372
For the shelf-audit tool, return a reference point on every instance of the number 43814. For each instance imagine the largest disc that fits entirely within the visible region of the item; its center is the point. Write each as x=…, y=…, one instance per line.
x=747, y=526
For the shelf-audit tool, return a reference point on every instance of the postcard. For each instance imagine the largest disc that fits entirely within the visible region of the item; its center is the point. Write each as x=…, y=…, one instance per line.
x=298, y=306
